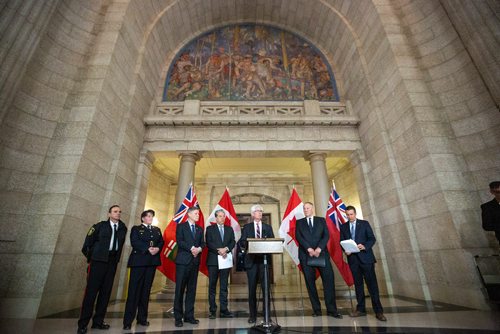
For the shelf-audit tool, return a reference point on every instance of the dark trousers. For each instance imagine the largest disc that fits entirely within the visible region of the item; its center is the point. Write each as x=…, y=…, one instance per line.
x=327, y=277
x=362, y=271
x=254, y=274
x=186, y=277
x=100, y=277
x=139, y=289
x=213, y=276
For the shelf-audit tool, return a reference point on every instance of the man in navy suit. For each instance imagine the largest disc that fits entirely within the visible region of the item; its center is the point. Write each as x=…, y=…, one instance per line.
x=362, y=264
x=147, y=243
x=312, y=234
x=254, y=263
x=220, y=242
x=187, y=262
x=490, y=211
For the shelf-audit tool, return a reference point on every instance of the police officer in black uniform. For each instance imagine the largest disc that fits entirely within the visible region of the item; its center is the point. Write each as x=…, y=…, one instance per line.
x=147, y=242
x=102, y=247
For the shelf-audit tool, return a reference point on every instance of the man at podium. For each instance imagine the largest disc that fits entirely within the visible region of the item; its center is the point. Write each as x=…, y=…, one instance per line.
x=254, y=263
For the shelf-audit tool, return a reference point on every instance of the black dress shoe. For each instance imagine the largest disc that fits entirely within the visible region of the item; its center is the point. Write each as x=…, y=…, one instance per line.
x=81, y=330
x=143, y=323
x=251, y=320
x=192, y=321
x=226, y=314
x=127, y=327
x=211, y=315
x=316, y=314
x=335, y=315
x=102, y=325
x=178, y=323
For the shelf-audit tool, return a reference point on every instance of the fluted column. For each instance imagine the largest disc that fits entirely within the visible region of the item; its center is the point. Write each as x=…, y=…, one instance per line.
x=320, y=182
x=186, y=175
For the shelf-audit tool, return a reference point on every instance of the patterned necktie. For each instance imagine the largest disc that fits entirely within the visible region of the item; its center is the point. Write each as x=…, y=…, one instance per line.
x=257, y=235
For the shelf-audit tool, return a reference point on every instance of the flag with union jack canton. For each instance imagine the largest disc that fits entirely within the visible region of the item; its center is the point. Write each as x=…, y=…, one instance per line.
x=335, y=215
x=169, y=251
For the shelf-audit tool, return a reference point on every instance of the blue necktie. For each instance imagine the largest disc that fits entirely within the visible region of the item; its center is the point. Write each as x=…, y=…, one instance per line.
x=221, y=231
x=353, y=230
x=192, y=230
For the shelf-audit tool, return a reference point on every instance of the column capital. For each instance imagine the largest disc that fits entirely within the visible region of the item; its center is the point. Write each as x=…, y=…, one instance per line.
x=315, y=156
x=193, y=156
x=147, y=158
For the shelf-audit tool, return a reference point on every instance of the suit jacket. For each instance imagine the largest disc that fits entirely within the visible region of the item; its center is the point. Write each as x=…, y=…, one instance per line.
x=490, y=214
x=214, y=241
x=363, y=235
x=141, y=239
x=249, y=232
x=307, y=239
x=96, y=244
x=185, y=241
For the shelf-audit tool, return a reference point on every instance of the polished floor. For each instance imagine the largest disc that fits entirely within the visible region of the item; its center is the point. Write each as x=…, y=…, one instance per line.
x=293, y=313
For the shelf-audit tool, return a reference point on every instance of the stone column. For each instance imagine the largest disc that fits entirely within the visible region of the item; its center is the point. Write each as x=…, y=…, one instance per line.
x=320, y=182
x=186, y=175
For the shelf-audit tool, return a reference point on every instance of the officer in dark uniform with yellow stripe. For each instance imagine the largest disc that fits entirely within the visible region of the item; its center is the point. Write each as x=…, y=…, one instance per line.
x=103, y=248
x=147, y=242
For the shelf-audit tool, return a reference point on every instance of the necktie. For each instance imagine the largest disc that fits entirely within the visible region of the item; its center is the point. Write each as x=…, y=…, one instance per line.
x=310, y=224
x=257, y=235
x=115, y=242
x=192, y=230
x=221, y=231
x=149, y=227
x=353, y=230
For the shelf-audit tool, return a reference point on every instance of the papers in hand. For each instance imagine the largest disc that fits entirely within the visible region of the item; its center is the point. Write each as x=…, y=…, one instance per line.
x=349, y=246
x=227, y=262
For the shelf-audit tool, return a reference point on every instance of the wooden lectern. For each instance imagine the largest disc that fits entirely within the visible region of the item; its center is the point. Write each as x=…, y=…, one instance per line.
x=265, y=247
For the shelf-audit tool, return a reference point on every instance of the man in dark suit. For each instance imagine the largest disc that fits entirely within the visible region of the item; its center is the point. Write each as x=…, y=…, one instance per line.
x=220, y=242
x=362, y=264
x=254, y=264
x=146, y=241
x=312, y=235
x=490, y=211
x=187, y=262
x=102, y=248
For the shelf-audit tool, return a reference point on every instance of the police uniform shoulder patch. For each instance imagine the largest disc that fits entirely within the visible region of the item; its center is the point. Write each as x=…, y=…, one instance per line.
x=91, y=231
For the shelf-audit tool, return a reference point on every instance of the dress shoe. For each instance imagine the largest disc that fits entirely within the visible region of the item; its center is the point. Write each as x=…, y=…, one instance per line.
x=316, y=314
x=178, y=323
x=251, y=320
x=81, y=330
x=336, y=315
x=192, y=321
x=355, y=314
x=211, y=315
x=226, y=314
x=102, y=325
x=127, y=327
x=380, y=316
x=143, y=323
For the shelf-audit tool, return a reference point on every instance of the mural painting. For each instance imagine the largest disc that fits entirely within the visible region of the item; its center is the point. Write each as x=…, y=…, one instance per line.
x=250, y=62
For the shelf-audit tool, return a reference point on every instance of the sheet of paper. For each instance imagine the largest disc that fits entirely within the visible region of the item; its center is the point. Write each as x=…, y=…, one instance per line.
x=349, y=246
x=227, y=262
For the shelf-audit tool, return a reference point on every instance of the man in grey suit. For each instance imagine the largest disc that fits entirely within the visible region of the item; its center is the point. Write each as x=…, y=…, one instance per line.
x=220, y=242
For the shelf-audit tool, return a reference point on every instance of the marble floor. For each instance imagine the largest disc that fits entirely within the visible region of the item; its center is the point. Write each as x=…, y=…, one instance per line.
x=292, y=312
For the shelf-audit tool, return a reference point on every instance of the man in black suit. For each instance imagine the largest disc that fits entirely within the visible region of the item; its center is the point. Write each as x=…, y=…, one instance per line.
x=254, y=264
x=362, y=264
x=102, y=248
x=490, y=211
x=220, y=242
x=187, y=262
x=312, y=235
x=147, y=242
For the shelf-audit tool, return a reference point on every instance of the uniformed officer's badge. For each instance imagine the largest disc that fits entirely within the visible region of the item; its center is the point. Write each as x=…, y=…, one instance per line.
x=92, y=230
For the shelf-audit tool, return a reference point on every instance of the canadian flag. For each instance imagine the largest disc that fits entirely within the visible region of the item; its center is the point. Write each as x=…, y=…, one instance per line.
x=226, y=205
x=294, y=211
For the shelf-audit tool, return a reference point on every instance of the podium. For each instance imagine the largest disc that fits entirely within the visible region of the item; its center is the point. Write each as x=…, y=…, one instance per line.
x=266, y=247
